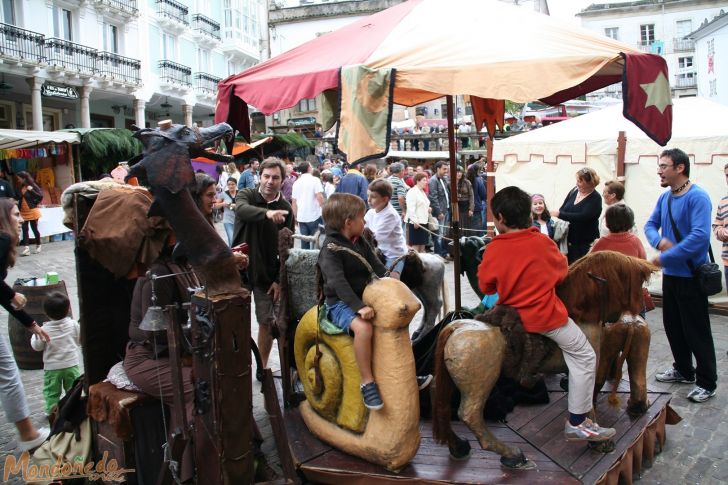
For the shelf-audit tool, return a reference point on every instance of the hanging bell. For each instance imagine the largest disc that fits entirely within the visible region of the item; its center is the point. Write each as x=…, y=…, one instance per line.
x=153, y=320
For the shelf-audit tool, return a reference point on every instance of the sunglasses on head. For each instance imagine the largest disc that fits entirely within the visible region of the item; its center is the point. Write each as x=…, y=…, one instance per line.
x=585, y=174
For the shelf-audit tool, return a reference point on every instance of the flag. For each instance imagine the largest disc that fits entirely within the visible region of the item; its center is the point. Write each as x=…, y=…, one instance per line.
x=646, y=95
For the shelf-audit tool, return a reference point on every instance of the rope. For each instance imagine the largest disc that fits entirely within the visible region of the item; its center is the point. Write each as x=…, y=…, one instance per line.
x=336, y=247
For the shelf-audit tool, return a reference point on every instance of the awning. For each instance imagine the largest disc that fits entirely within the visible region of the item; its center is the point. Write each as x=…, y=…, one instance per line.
x=27, y=139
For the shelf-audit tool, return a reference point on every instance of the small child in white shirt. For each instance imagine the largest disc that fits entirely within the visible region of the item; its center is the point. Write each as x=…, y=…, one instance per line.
x=60, y=354
x=384, y=221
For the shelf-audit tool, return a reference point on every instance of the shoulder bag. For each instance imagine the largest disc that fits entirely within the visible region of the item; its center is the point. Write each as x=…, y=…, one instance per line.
x=707, y=275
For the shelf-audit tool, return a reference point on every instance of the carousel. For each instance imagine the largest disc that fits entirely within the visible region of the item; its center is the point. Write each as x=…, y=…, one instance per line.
x=323, y=431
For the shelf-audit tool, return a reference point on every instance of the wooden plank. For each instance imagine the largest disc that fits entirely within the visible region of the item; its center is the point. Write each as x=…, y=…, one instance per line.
x=658, y=403
x=278, y=425
x=543, y=420
x=524, y=414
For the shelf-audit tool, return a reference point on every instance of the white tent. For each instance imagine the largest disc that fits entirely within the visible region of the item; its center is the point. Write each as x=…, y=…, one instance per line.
x=546, y=160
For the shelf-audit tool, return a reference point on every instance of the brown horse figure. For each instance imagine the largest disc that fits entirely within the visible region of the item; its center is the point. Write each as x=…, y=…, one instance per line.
x=471, y=354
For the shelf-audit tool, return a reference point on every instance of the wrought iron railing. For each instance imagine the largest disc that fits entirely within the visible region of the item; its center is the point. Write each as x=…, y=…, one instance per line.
x=21, y=44
x=683, y=45
x=126, y=6
x=70, y=56
x=206, y=83
x=121, y=68
x=172, y=10
x=171, y=72
x=206, y=25
x=685, y=82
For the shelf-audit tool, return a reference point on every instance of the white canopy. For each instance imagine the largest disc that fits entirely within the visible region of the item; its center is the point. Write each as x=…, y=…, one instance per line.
x=546, y=160
x=28, y=139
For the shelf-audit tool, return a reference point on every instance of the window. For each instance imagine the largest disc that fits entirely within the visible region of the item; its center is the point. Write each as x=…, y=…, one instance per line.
x=683, y=28
x=111, y=38
x=203, y=60
x=7, y=11
x=232, y=68
x=169, y=47
x=62, y=23
x=647, y=34
x=306, y=105
x=612, y=32
x=684, y=62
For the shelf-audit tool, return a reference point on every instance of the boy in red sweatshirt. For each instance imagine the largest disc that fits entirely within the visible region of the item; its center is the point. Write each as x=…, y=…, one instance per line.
x=524, y=267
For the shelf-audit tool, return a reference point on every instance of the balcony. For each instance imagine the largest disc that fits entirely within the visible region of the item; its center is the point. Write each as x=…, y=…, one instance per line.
x=175, y=76
x=124, y=9
x=685, y=82
x=172, y=15
x=205, y=30
x=118, y=69
x=206, y=85
x=683, y=45
x=20, y=46
x=64, y=55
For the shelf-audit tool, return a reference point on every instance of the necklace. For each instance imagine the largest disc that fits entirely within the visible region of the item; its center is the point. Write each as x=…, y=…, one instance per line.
x=681, y=188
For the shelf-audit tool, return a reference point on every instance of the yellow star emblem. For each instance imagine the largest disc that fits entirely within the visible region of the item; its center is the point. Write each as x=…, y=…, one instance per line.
x=658, y=93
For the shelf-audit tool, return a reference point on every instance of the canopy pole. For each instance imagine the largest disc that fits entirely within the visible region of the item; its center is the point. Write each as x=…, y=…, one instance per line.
x=489, y=186
x=621, y=151
x=455, y=215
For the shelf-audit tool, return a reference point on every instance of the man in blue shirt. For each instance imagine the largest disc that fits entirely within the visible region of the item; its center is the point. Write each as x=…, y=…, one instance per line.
x=249, y=178
x=685, y=308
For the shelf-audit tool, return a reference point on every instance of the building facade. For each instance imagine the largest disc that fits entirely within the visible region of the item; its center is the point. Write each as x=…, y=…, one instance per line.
x=659, y=27
x=115, y=63
x=711, y=53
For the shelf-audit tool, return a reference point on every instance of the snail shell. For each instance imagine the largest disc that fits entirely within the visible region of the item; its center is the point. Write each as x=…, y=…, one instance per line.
x=336, y=395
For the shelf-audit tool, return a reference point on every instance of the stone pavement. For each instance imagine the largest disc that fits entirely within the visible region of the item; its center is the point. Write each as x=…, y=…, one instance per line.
x=695, y=451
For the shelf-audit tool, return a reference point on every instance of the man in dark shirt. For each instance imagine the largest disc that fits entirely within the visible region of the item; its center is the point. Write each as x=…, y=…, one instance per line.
x=259, y=214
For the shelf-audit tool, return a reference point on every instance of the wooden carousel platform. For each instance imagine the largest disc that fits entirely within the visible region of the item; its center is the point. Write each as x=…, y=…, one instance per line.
x=537, y=430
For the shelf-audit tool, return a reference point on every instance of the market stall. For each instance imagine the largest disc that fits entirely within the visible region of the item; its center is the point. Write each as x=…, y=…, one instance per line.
x=48, y=157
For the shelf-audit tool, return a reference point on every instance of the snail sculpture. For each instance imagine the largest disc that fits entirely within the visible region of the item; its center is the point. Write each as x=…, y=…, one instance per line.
x=334, y=410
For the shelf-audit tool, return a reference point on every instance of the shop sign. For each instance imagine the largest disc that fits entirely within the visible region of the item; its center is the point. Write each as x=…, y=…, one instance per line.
x=55, y=91
x=307, y=120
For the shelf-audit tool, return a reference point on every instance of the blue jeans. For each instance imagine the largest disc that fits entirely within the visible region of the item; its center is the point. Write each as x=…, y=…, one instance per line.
x=340, y=315
x=229, y=228
x=398, y=267
x=478, y=223
x=440, y=244
x=308, y=229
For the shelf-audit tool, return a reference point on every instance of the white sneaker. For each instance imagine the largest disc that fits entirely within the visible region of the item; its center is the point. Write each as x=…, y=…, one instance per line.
x=26, y=251
x=37, y=249
x=33, y=444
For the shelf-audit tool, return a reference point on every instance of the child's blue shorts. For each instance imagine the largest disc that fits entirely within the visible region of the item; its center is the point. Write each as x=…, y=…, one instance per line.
x=340, y=315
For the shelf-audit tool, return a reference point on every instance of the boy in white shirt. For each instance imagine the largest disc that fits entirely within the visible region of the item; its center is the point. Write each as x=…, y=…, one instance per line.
x=384, y=221
x=60, y=354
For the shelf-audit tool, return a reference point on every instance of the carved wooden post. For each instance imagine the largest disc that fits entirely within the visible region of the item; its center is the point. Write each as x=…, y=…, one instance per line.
x=223, y=389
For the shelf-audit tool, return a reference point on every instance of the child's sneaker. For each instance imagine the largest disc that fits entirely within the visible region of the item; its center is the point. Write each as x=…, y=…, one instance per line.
x=372, y=399
x=699, y=394
x=423, y=381
x=26, y=251
x=587, y=431
x=672, y=375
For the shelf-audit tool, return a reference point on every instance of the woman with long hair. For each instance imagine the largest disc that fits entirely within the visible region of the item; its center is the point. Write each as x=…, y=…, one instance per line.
x=12, y=394
x=30, y=197
x=541, y=216
x=477, y=222
x=466, y=199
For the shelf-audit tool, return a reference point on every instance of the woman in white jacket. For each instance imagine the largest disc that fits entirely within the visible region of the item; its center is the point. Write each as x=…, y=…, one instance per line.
x=418, y=213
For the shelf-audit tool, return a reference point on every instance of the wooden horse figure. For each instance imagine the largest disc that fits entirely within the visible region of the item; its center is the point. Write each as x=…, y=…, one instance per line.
x=470, y=354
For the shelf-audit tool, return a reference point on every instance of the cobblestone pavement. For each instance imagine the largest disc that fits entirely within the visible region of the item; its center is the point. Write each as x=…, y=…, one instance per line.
x=695, y=451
